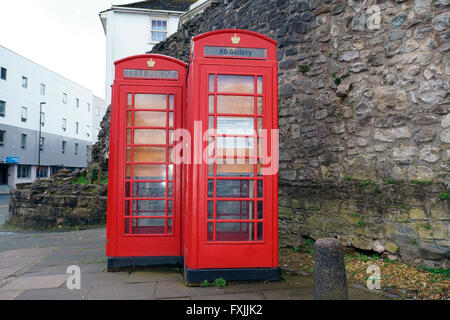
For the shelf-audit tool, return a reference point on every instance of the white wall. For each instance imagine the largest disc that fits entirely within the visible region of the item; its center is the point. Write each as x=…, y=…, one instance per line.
x=16, y=96
x=128, y=34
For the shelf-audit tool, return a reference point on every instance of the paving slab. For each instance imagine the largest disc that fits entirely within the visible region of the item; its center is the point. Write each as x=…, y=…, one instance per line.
x=153, y=276
x=4, y=273
x=358, y=294
x=232, y=296
x=62, y=293
x=17, y=262
x=28, y=252
x=131, y=291
x=261, y=286
x=104, y=278
x=10, y=295
x=290, y=294
x=177, y=289
x=38, y=282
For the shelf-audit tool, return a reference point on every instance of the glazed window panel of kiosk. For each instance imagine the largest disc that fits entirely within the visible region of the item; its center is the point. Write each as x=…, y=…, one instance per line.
x=149, y=171
x=235, y=111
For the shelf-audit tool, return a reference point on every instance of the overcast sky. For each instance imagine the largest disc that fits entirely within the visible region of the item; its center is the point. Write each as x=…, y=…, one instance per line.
x=65, y=36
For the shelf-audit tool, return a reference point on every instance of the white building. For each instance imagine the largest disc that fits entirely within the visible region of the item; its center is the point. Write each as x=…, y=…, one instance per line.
x=134, y=28
x=68, y=120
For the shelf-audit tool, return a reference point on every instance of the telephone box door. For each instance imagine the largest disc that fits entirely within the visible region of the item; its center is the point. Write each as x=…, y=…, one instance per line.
x=237, y=226
x=149, y=215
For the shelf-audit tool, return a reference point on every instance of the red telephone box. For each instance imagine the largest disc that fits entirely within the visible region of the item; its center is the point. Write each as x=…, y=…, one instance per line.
x=144, y=195
x=231, y=182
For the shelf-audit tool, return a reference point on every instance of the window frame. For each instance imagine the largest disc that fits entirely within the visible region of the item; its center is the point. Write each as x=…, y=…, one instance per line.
x=23, y=171
x=64, y=99
x=157, y=30
x=3, y=71
x=2, y=105
x=2, y=138
x=63, y=146
x=76, y=148
x=23, y=140
x=64, y=124
x=24, y=82
x=42, y=89
x=23, y=111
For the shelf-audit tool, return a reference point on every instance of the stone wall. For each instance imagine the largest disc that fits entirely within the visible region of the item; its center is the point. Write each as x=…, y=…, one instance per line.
x=363, y=115
x=67, y=199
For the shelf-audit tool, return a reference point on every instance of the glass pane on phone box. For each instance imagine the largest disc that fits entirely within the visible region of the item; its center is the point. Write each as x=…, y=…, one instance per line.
x=235, y=104
x=149, y=136
x=235, y=188
x=129, y=101
x=235, y=146
x=149, y=226
x=236, y=125
x=149, y=172
x=149, y=154
x=149, y=119
x=235, y=231
x=236, y=170
x=149, y=189
x=150, y=208
x=234, y=210
x=235, y=84
x=211, y=104
x=150, y=101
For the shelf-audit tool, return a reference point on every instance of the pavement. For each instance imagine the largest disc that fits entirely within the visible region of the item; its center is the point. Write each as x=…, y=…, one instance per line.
x=33, y=266
x=4, y=204
x=4, y=189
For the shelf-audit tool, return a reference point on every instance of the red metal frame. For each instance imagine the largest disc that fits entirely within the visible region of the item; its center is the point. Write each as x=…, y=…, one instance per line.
x=201, y=252
x=147, y=242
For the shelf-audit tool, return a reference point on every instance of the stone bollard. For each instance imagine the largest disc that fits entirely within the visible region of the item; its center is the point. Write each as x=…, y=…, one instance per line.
x=330, y=281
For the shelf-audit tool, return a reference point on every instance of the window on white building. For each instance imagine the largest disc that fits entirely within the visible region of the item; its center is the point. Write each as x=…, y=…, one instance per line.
x=64, y=124
x=23, y=114
x=41, y=172
x=77, y=103
x=89, y=107
x=42, y=119
x=3, y=73
x=24, y=82
x=42, y=89
x=64, y=98
x=63, y=147
x=2, y=138
x=76, y=148
x=2, y=108
x=76, y=127
x=23, y=140
x=88, y=131
x=23, y=171
x=159, y=30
